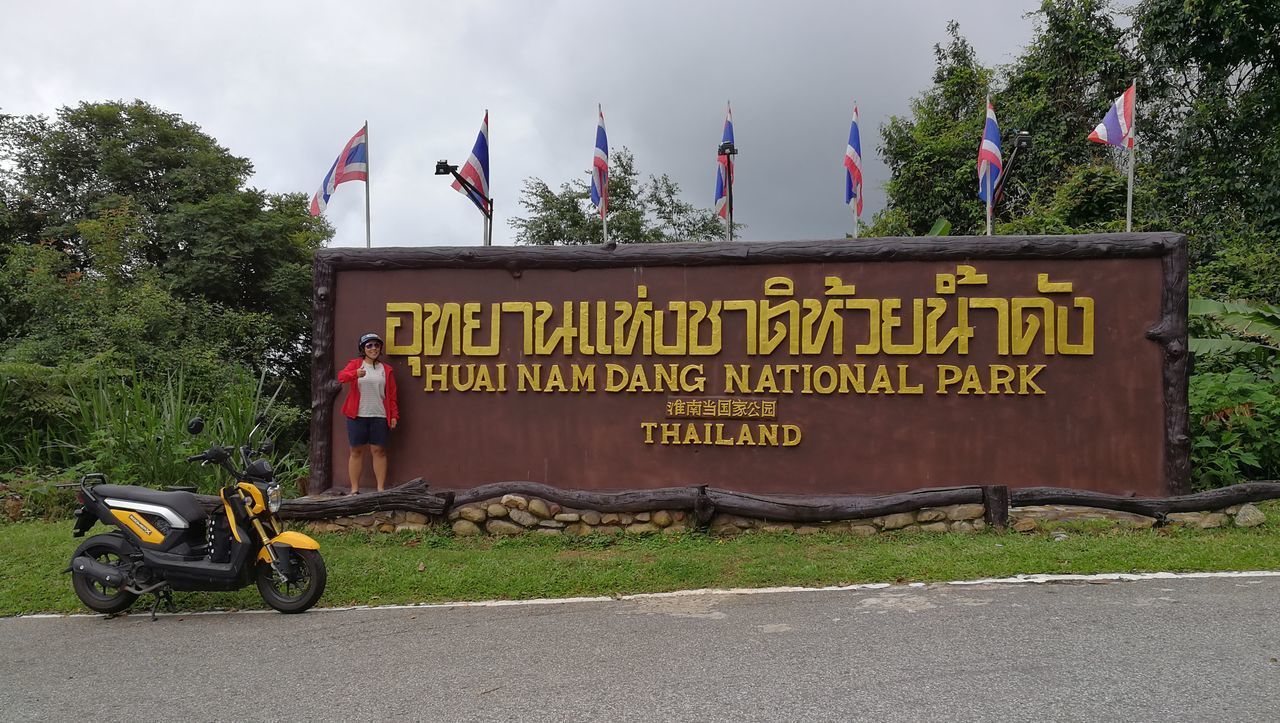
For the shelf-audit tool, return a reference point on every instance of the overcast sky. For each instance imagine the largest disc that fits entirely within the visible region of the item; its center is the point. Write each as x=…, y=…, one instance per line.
x=285, y=84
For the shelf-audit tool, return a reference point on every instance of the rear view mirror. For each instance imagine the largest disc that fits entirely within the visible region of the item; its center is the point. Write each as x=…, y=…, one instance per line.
x=195, y=426
x=267, y=446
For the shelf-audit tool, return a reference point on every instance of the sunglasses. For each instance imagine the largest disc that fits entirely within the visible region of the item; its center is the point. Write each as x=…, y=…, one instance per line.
x=373, y=344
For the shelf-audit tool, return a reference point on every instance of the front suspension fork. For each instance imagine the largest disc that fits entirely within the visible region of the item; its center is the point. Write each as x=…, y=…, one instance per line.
x=276, y=565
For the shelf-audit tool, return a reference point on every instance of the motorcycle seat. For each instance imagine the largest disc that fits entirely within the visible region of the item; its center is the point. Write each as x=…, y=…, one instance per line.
x=184, y=503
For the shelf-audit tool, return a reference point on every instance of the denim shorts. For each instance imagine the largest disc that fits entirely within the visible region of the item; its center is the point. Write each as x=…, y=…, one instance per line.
x=367, y=430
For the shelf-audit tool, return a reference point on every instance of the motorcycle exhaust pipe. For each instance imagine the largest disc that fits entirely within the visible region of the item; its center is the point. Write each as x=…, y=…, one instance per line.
x=98, y=572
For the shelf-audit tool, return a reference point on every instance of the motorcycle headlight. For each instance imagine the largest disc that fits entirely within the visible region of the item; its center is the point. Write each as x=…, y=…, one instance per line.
x=273, y=497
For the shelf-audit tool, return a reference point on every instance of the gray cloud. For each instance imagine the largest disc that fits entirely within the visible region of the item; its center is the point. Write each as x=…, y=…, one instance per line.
x=285, y=84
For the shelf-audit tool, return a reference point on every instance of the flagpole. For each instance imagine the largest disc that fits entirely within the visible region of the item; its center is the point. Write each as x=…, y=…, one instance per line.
x=1133, y=141
x=728, y=180
x=857, y=199
x=728, y=150
x=728, y=196
x=368, y=236
x=1128, y=211
x=488, y=219
x=488, y=225
x=728, y=172
x=987, y=178
x=603, y=183
x=989, y=194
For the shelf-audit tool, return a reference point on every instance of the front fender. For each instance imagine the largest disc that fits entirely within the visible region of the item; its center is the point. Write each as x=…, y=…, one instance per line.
x=296, y=540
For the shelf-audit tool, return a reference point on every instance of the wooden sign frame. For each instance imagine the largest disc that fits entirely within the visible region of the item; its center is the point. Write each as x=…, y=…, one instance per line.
x=1170, y=332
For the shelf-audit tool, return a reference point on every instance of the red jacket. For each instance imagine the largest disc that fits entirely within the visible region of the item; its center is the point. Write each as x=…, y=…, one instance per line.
x=351, y=407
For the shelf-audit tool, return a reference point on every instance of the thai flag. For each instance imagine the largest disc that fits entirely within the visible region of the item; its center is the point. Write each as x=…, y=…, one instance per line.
x=352, y=164
x=476, y=170
x=723, y=178
x=1116, y=129
x=600, y=169
x=989, y=159
x=853, y=168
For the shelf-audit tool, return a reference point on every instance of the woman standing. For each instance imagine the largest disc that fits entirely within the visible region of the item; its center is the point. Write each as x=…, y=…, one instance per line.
x=371, y=409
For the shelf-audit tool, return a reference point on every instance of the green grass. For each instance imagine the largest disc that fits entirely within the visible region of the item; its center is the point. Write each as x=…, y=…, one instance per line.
x=382, y=569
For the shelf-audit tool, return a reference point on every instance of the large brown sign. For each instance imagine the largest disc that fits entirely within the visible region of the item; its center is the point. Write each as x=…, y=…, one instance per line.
x=868, y=366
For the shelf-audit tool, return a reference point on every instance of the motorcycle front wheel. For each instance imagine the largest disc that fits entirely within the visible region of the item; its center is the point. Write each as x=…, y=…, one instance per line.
x=109, y=549
x=299, y=594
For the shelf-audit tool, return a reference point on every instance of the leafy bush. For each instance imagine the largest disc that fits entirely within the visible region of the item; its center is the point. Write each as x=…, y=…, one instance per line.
x=1235, y=260
x=1235, y=423
x=38, y=402
x=38, y=499
x=1230, y=335
x=133, y=429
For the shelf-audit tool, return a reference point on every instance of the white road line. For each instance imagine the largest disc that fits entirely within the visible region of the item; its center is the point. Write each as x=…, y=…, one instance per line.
x=1038, y=579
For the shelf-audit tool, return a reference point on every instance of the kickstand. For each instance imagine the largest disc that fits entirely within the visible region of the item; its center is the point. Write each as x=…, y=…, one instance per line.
x=165, y=595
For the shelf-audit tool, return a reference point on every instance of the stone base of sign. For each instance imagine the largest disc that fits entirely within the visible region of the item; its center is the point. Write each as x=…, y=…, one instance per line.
x=395, y=521
x=516, y=514
x=1026, y=519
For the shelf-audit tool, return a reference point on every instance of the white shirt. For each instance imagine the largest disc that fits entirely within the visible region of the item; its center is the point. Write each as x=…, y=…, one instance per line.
x=373, y=390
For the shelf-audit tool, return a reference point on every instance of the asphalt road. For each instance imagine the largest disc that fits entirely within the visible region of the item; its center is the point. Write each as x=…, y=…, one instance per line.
x=1184, y=649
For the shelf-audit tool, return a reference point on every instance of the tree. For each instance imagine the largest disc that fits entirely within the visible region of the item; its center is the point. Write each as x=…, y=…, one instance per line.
x=1075, y=65
x=1212, y=76
x=931, y=154
x=68, y=168
x=638, y=212
x=1208, y=149
x=1208, y=119
x=251, y=252
x=123, y=203
x=676, y=220
x=1057, y=89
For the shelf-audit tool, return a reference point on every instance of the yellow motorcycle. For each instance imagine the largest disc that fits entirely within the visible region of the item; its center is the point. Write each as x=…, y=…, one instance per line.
x=166, y=541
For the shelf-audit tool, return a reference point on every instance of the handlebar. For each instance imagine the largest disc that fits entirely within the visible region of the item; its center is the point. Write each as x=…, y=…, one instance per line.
x=217, y=455
x=222, y=456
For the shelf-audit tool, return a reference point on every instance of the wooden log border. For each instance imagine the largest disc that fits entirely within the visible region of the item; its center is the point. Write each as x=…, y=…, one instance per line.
x=995, y=499
x=1156, y=507
x=1170, y=332
x=995, y=506
x=411, y=496
x=705, y=502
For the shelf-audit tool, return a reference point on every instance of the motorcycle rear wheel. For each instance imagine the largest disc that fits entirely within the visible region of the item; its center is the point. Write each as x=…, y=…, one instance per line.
x=298, y=595
x=109, y=549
